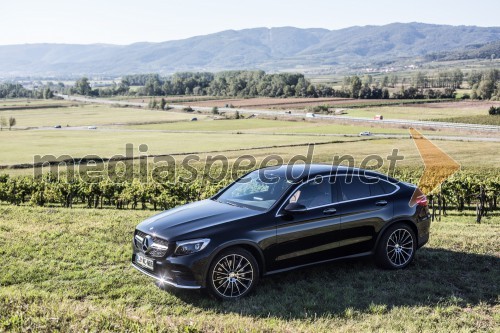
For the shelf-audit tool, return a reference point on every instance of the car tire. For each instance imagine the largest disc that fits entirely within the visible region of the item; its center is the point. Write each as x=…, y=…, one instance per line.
x=396, y=248
x=233, y=274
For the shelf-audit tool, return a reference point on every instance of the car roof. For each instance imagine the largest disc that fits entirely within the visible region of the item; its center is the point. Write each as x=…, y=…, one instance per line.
x=301, y=172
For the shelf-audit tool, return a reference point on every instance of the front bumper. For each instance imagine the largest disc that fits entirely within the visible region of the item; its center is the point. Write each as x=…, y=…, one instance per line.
x=164, y=280
x=186, y=272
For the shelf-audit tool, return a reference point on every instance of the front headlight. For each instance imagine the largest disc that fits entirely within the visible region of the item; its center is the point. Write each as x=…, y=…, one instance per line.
x=191, y=246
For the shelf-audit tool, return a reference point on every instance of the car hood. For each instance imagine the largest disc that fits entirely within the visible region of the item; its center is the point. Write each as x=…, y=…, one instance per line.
x=193, y=217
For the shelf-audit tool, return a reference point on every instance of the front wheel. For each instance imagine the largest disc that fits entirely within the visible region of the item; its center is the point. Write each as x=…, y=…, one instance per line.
x=396, y=249
x=232, y=274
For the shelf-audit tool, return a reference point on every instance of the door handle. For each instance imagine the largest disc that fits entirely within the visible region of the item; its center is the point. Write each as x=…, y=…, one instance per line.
x=381, y=203
x=330, y=211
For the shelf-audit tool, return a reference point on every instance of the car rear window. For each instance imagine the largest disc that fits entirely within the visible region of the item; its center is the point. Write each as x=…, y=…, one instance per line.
x=381, y=187
x=355, y=189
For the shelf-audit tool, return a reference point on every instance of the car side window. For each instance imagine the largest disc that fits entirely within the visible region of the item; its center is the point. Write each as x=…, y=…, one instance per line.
x=353, y=188
x=382, y=187
x=387, y=187
x=376, y=188
x=315, y=193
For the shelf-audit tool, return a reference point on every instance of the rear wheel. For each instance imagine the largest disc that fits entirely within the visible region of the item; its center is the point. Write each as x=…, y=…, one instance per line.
x=396, y=249
x=233, y=274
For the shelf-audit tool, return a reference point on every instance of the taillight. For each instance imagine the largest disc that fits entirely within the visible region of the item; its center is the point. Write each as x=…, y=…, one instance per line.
x=418, y=198
x=422, y=200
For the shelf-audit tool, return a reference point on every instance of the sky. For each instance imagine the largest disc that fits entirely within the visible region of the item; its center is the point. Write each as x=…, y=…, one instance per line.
x=130, y=21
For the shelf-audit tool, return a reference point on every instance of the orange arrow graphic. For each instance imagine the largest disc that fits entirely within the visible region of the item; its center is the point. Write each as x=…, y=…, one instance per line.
x=439, y=166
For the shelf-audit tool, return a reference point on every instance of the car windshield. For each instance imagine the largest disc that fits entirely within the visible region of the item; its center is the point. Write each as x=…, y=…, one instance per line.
x=257, y=190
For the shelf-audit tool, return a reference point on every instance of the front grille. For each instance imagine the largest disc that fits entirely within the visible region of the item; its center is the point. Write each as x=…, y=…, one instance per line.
x=159, y=247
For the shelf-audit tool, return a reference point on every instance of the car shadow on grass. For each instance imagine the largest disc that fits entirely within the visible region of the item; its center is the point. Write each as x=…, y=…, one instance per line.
x=436, y=276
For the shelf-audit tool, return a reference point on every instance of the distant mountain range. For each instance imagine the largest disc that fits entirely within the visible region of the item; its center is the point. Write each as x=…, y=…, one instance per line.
x=285, y=48
x=474, y=51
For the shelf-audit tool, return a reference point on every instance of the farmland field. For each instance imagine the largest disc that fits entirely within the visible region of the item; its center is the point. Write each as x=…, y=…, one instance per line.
x=431, y=111
x=302, y=103
x=21, y=146
x=85, y=115
x=271, y=102
x=69, y=275
x=26, y=102
x=268, y=126
x=172, y=132
x=478, y=119
x=390, y=109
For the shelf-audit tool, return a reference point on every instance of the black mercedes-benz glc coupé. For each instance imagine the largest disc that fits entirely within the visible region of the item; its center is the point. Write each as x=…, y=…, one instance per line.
x=279, y=218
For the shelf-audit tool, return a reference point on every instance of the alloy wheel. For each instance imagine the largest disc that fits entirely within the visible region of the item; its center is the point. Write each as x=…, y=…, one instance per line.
x=232, y=275
x=400, y=247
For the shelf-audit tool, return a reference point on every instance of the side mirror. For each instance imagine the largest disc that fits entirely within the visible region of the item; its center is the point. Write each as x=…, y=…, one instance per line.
x=294, y=208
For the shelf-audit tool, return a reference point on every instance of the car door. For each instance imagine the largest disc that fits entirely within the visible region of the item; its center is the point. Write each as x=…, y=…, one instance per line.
x=309, y=236
x=364, y=207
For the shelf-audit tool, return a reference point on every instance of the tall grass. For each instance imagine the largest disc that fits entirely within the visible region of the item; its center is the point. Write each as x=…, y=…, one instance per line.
x=68, y=270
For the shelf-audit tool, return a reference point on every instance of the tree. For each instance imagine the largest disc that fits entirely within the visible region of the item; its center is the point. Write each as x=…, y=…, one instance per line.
x=385, y=93
x=474, y=78
x=60, y=86
x=124, y=86
x=355, y=86
x=385, y=81
x=474, y=92
x=153, y=86
x=153, y=104
x=215, y=110
x=47, y=93
x=367, y=79
x=486, y=88
x=394, y=79
x=12, y=122
x=82, y=87
x=458, y=77
x=3, y=123
x=311, y=91
x=420, y=80
x=365, y=92
x=163, y=103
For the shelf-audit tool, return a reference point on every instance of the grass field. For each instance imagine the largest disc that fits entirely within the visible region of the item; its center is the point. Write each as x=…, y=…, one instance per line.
x=478, y=119
x=268, y=126
x=20, y=102
x=118, y=126
x=430, y=111
x=66, y=275
x=86, y=114
x=21, y=146
x=467, y=154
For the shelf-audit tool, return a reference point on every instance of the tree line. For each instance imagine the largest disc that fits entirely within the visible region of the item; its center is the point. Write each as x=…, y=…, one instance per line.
x=16, y=90
x=485, y=84
x=223, y=84
x=421, y=85
x=259, y=84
